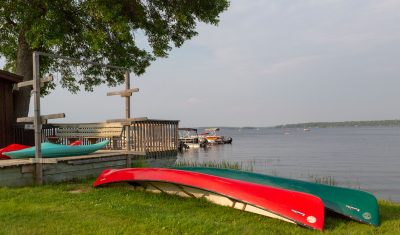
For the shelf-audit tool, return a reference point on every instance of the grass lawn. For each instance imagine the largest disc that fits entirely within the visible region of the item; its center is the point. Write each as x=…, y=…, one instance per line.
x=77, y=208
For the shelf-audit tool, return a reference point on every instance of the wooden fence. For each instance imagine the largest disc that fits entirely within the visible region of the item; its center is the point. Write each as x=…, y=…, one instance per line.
x=154, y=136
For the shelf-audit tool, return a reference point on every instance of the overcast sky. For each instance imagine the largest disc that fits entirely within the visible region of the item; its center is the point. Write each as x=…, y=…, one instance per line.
x=268, y=62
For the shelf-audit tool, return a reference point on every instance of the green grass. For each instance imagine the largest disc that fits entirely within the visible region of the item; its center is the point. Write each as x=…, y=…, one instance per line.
x=77, y=208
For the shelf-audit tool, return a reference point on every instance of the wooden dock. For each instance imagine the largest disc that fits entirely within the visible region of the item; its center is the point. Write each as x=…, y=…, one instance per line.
x=136, y=141
x=20, y=172
x=144, y=135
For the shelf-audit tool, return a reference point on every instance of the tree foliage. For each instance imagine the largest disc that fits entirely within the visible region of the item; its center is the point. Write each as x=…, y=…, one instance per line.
x=104, y=31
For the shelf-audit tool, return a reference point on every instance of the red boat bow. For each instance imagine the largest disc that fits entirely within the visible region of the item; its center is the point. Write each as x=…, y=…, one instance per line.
x=297, y=207
x=9, y=148
x=16, y=147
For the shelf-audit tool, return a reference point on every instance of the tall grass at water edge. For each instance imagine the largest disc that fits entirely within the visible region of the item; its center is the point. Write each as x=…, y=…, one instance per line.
x=218, y=164
x=249, y=166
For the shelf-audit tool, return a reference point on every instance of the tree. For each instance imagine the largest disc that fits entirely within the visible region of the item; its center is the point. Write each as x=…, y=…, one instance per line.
x=103, y=31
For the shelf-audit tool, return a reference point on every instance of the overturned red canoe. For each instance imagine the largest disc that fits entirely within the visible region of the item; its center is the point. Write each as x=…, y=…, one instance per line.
x=290, y=206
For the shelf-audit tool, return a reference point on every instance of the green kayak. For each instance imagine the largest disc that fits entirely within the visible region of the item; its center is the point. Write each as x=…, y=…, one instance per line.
x=356, y=204
x=50, y=150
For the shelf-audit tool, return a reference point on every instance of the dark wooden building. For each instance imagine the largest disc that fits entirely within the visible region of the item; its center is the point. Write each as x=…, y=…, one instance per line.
x=7, y=80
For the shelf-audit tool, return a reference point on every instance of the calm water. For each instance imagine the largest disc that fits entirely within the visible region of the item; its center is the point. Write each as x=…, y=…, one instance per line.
x=361, y=158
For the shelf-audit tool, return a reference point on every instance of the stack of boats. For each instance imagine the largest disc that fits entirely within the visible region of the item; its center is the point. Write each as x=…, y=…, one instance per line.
x=299, y=202
x=189, y=138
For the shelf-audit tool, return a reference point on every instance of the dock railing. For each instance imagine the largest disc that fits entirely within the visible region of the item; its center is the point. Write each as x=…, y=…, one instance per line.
x=150, y=136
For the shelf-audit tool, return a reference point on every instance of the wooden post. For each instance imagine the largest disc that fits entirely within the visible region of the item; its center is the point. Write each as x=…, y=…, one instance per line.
x=127, y=116
x=142, y=137
x=175, y=136
x=37, y=122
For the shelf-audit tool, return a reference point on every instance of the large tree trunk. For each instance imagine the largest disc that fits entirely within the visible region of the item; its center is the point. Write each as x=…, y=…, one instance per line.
x=24, y=68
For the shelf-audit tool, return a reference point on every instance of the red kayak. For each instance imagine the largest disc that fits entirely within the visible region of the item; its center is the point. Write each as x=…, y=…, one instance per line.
x=16, y=147
x=75, y=143
x=295, y=207
x=10, y=148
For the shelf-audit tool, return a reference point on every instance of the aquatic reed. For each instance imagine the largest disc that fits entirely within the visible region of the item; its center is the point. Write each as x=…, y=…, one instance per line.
x=328, y=180
x=218, y=164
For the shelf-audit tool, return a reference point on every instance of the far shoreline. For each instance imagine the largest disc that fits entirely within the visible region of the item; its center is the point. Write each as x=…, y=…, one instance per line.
x=377, y=123
x=374, y=123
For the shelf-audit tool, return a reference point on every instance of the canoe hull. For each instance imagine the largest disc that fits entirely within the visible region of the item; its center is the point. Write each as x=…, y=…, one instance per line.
x=355, y=204
x=295, y=207
x=50, y=150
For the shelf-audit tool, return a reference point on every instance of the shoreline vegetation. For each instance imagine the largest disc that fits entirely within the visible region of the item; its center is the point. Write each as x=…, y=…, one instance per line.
x=78, y=208
x=342, y=124
x=372, y=123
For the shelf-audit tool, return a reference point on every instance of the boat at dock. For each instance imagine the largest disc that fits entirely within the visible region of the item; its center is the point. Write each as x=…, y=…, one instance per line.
x=212, y=136
x=290, y=206
x=190, y=138
x=355, y=204
x=50, y=150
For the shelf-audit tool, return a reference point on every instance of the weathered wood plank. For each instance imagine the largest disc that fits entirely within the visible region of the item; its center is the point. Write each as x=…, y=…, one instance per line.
x=114, y=131
x=128, y=120
x=63, y=168
x=14, y=162
x=97, y=154
x=30, y=82
x=88, y=135
x=83, y=174
x=123, y=93
x=95, y=160
x=43, y=118
x=87, y=125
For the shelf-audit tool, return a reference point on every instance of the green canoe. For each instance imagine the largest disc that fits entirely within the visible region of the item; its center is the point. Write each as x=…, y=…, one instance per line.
x=356, y=204
x=50, y=150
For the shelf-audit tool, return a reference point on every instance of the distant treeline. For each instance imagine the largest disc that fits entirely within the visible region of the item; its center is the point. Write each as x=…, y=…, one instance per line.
x=342, y=124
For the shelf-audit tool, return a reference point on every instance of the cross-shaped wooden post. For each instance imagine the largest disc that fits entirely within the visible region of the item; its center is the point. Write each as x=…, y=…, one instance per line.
x=37, y=119
x=127, y=93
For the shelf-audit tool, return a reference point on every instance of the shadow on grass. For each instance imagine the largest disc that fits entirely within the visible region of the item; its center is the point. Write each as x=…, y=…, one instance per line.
x=389, y=211
x=333, y=220
x=389, y=216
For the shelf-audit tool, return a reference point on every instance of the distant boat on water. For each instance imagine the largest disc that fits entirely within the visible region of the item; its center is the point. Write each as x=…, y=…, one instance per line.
x=212, y=137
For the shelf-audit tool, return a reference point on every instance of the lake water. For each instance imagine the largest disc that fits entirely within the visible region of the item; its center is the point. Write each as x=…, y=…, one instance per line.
x=360, y=157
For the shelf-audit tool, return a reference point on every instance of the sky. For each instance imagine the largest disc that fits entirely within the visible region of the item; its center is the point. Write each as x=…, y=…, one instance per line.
x=268, y=62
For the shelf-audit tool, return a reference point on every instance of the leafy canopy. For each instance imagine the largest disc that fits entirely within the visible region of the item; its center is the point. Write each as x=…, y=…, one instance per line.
x=104, y=31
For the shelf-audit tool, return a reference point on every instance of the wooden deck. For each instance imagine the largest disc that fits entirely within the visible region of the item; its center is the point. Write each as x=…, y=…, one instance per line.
x=20, y=172
x=146, y=141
